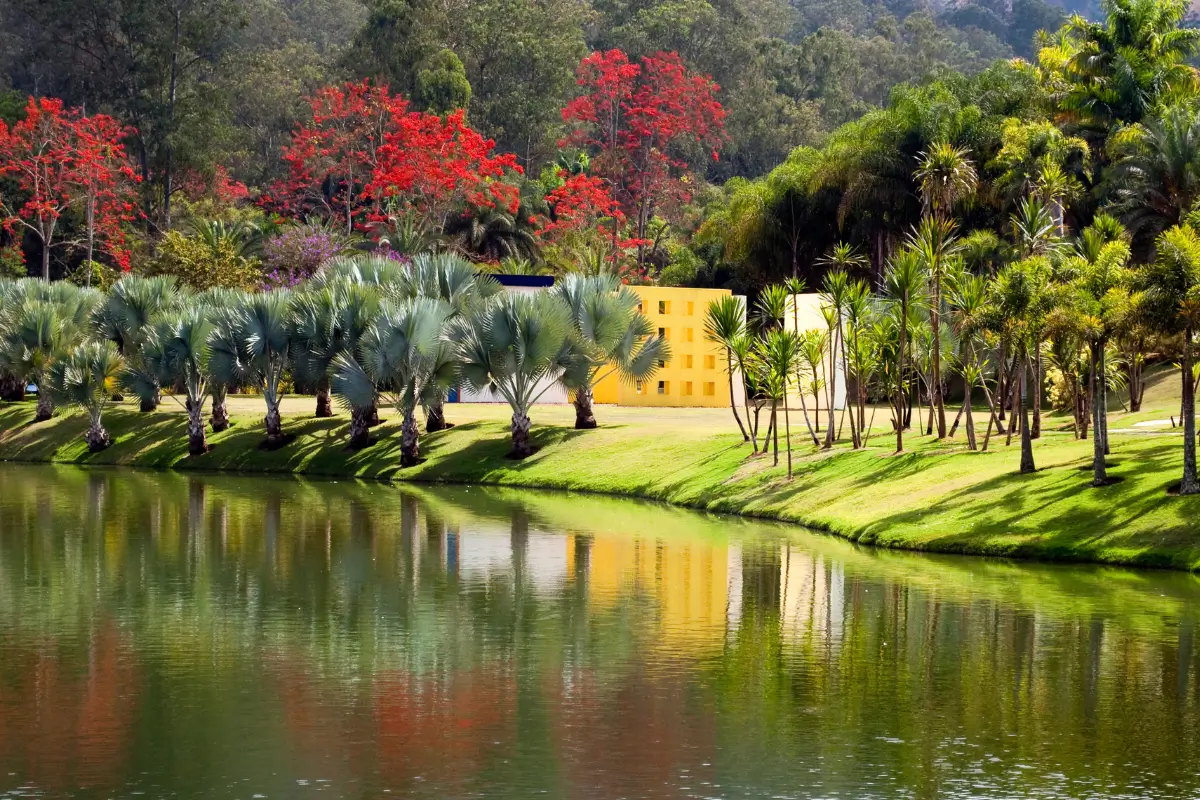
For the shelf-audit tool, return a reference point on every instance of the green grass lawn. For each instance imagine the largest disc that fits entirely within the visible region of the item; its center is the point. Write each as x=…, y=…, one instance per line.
x=936, y=496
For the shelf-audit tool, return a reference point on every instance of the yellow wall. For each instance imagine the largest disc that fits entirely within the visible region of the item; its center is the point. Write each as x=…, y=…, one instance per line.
x=695, y=374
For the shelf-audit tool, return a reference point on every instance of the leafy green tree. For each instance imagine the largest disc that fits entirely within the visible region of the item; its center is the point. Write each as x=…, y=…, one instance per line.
x=613, y=338
x=84, y=377
x=1157, y=172
x=442, y=85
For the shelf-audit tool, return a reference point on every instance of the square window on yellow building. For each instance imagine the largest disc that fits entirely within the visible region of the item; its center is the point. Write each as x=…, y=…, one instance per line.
x=710, y=362
x=691, y=308
x=687, y=335
x=664, y=387
x=687, y=362
x=664, y=306
x=640, y=309
x=710, y=389
x=639, y=387
x=662, y=364
x=664, y=334
x=687, y=388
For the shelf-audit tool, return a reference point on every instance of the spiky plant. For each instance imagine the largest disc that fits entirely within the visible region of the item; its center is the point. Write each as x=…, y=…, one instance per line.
x=724, y=323
x=612, y=336
x=84, y=377
x=251, y=344
x=176, y=352
x=221, y=305
x=401, y=357
x=518, y=346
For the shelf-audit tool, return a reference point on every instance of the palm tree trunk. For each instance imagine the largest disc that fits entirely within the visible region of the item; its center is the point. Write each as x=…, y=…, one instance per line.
x=522, y=447
x=787, y=430
x=45, y=403
x=958, y=417
x=971, y=444
x=360, y=428
x=936, y=402
x=373, y=415
x=324, y=402
x=732, y=397
x=1101, y=426
x=775, y=428
x=1189, y=485
x=1099, y=475
x=149, y=404
x=274, y=423
x=96, y=437
x=410, y=445
x=12, y=389
x=197, y=442
x=1027, y=465
x=220, y=415
x=1036, y=433
x=435, y=416
x=584, y=418
x=807, y=421
x=831, y=387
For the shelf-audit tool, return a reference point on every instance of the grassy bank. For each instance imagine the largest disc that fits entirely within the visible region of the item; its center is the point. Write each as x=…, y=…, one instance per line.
x=936, y=497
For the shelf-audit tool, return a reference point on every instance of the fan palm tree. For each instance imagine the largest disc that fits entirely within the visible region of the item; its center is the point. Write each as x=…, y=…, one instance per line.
x=612, y=337
x=241, y=238
x=176, y=352
x=329, y=316
x=41, y=322
x=1170, y=301
x=453, y=280
x=128, y=314
x=1157, y=172
x=725, y=323
x=252, y=345
x=84, y=377
x=402, y=356
x=221, y=305
x=518, y=346
x=936, y=243
x=490, y=235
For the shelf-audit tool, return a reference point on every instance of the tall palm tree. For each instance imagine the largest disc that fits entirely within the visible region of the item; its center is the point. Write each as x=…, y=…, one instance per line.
x=128, y=314
x=329, y=316
x=176, y=352
x=725, y=323
x=222, y=306
x=779, y=353
x=85, y=377
x=947, y=177
x=1170, y=301
x=937, y=244
x=612, y=336
x=814, y=346
x=402, y=355
x=906, y=280
x=518, y=346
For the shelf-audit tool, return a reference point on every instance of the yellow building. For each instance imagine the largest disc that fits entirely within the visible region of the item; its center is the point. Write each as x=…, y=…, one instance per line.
x=695, y=373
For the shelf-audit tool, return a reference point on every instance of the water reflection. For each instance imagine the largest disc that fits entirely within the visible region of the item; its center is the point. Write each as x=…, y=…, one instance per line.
x=199, y=636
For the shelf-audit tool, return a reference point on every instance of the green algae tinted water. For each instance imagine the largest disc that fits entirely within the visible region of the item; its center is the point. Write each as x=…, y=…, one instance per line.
x=227, y=637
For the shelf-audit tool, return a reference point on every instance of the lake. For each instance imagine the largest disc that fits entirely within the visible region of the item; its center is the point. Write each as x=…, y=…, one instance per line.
x=220, y=636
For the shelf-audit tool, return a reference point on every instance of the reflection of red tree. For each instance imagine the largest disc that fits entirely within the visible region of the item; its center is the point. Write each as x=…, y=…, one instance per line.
x=323, y=726
x=637, y=737
x=443, y=730
x=61, y=728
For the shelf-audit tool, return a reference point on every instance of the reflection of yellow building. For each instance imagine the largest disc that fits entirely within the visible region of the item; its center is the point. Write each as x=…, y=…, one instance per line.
x=695, y=373
x=691, y=583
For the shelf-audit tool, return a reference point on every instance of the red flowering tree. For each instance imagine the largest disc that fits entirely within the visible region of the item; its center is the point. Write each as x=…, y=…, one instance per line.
x=103, y=181
x=647, y=125
x=332, y=158
x=38, y=153
x=585, y=215
x=434, y=165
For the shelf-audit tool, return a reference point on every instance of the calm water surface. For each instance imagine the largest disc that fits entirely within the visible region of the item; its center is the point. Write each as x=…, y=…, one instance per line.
x=229, y=637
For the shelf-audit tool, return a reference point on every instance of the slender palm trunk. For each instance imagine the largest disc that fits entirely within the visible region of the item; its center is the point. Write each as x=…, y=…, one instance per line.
x=12, y=389
x=522, y=447
x=831, y=386
x=197, y=441
x=584, y=418
x=220, y=414
x=936, y=402
x=1027, y=465
x=751, y=421
x=787, y=430
x=1036, y=433
x=970, y=423
x=96, y=437
x=775, y=428
x=1101, y=400
x=410, y=444
x=807, y=420
x=1190, y=484
x=1099, y=473
x=732, y=396
x=324, y=402
x=360, y=428
x=900, y=377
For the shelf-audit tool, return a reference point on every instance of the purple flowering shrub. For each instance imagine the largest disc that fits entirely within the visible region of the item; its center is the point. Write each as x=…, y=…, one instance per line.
x=295, y=254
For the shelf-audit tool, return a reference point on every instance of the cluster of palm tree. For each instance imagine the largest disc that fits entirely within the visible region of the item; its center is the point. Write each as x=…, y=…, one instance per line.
x=1078, y=305
x=365, y=330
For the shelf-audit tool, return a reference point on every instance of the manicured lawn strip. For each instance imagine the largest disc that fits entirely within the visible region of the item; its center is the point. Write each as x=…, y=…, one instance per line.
x=937, y=497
